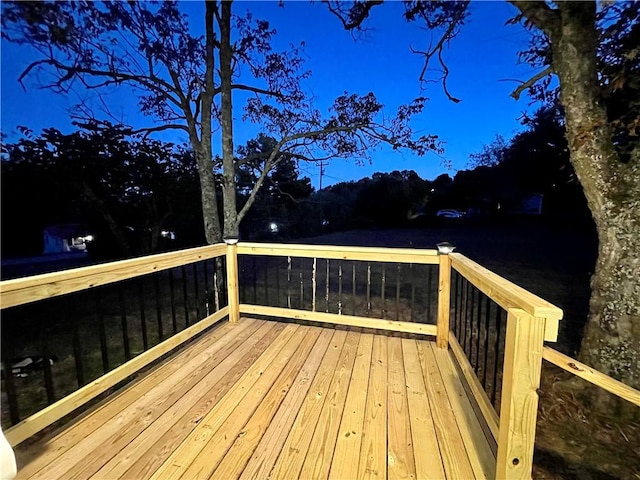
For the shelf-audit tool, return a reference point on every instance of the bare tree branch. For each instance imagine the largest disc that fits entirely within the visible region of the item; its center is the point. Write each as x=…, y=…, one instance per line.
x=355, y=16
x=170, y=126
x=540, y=15
x=529, y=83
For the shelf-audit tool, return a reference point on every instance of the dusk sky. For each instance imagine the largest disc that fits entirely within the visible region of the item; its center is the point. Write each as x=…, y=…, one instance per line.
x=483, y=63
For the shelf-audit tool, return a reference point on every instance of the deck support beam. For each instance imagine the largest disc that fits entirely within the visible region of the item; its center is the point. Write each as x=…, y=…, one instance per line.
x=444, y=299
x=519, y=402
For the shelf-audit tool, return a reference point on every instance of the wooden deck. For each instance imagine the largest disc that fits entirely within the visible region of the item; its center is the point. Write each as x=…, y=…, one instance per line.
x=264, y=399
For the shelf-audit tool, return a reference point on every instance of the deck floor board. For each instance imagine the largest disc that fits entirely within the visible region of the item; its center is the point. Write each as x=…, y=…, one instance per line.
x=263, y=399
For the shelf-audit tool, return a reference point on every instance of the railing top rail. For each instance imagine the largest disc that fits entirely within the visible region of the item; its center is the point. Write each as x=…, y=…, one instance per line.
x=591, y=375
x=375, y=254
x=24, y=290
x=507, y=294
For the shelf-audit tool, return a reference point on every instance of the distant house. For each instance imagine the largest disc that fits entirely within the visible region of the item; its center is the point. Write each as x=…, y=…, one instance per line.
x=531, y=205
x=66, y=238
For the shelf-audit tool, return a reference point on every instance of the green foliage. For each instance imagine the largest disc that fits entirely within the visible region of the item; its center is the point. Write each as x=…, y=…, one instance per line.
x=127, y=189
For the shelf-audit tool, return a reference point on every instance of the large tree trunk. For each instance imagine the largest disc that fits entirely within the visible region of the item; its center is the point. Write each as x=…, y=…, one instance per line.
x=230, y=211
x=210, y=214
x=611, y=341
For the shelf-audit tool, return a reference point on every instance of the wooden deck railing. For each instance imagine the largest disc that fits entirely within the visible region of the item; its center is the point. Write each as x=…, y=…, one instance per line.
x=494, y=329
x=65, y=310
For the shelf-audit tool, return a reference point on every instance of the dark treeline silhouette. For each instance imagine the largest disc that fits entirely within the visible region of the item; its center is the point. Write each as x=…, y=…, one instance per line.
x=129, y=190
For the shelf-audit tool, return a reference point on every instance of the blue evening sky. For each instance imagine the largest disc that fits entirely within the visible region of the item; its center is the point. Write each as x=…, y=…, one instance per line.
x=482, y=60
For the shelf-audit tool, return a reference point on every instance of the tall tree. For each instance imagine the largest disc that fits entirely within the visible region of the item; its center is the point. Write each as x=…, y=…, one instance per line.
x=594, y=55
x=129, y=188
x=188, y=83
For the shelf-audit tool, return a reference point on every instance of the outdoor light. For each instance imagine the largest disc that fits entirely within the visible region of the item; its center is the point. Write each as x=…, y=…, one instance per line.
x=445, y=248
x=230, y=240
x=273, y=227
x=88, y=238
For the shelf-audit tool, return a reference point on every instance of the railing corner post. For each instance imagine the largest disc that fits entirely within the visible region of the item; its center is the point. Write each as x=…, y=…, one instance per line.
x=232, y=279
x=444, y=295
x=524, y=342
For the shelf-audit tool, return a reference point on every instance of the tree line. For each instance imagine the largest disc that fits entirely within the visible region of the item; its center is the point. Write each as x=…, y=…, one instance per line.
x=130, y=189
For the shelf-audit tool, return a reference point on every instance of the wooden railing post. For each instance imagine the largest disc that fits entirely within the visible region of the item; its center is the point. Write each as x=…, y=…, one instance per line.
x=524, y=342
x=444, y=299
x=232, y=279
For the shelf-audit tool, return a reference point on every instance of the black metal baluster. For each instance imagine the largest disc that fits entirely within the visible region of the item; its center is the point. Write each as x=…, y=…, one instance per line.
x=254, y=277
x=398, y=293
x=172, y=298
x=383, y=288
x=326, y=296
x=277, y=261
x=301, y=284
x=339, y=287
x=368, y=289
x=487, y=316
x=185, y=296
x=466, y=312
x=123, y=322
x=314, y=284
x=288, y=281
x=156, y=282
x=46, y=363
x=413, y=292
x=216, y=291
x=470, y=323
x=430, y=270
x=242, y=280
x=496, y=350
x=143, y=315
x=77, y=345
x=9, y=385
x=478, y=322
x=459, y=307
x=102, y=331
x=353, y=287
x=196, y=288
x=223, y=283
x=207, y=293
x=454, y=294
x=266, y=280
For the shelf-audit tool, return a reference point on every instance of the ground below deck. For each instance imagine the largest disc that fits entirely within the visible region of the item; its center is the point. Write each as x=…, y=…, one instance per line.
x=264, y=399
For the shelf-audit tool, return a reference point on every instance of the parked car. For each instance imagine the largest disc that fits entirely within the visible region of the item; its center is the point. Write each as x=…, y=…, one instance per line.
x=449, y=213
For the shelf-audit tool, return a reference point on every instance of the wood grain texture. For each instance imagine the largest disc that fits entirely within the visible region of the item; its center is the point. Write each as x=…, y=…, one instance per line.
x=233, y=292
x=261, y=399
x=138, y=460
x=133, y=396
x=481, y=456
x=346, y=455
x=427, y=455
x=373, y=452
x=317, y=463
x=369, y=254
x=294, y=450
x=401, y=464
x=444, y=301
x=335, y=319
x=480, y=396
x=519, y=401
x=48, y=285
x=591, y=375
x=452, y=448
